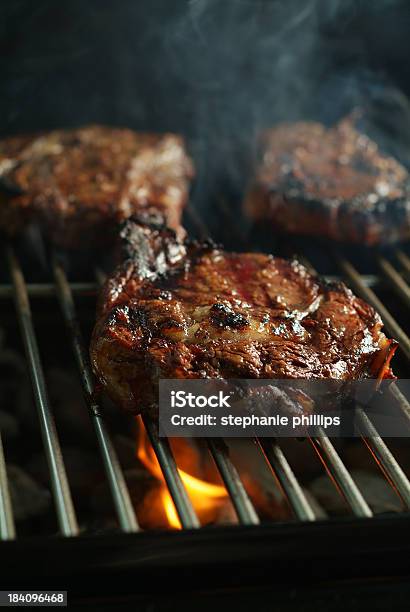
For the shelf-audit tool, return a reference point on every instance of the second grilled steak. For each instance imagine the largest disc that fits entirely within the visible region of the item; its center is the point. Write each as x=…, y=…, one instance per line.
x=332, y=182
x=79, y=184
x=178, y=309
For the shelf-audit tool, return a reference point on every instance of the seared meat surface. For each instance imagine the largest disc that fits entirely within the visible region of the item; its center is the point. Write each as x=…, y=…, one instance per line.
x=332, y=182
x=178, y=309
x=79, y=184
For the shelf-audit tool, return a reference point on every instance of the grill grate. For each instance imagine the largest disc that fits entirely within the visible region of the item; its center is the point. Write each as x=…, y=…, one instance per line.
x=166, y=460
x=125, y=511
x=59, y=482
x=271, y=449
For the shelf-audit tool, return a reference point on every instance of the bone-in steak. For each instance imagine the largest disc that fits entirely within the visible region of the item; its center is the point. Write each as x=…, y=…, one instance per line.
x=178, y=309
x=333, y=182
x=79, y=184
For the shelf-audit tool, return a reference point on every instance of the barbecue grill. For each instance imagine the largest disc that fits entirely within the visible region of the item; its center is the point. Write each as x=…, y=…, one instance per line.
x=229, y=556
x=216, y=73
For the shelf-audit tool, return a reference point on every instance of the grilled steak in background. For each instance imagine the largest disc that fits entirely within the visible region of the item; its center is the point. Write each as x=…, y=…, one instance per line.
x=181, y=309
x=79, y=184
x=332, y=182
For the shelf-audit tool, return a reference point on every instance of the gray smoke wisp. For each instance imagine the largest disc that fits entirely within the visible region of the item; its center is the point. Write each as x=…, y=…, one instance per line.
x=217, y=71
x=246, y=65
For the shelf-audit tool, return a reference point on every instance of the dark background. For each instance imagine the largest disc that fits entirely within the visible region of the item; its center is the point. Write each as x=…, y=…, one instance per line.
x=215, y=70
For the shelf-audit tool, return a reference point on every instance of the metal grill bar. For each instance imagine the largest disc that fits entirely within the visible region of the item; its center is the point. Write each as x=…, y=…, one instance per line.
x=339, y=474
x=48, y=289
x=368, y=294
x=119, y=490
x=287, y=479
x=398, y=396
x=353, y=495
x=376, y=445
x=374, y=442
x=7, y=528
x=234, y=485
x=272, y=452
x=384, y=457
x=61, y=491
x=335, y=467
x=166, y=460
x=379, y=450
x=400, y=400
x=396, y=280
x=369, y=280
x=232, y=481
x=404, y=259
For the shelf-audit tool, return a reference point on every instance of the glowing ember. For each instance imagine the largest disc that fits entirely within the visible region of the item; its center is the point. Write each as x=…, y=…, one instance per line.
x=207, y=498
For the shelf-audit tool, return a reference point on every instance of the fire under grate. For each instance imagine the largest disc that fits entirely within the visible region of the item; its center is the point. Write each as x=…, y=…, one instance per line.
x=392, y=272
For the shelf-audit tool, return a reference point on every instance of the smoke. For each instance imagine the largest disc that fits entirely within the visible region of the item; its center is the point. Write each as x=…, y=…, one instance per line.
x=239, y=66
x=216, y=71
x=244, y=63
x=247, y=64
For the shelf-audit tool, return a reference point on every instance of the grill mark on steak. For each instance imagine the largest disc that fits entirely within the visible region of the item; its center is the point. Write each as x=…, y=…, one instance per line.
x=333, y=182
x=224, y=316
x=176, y=309
x=80, y=184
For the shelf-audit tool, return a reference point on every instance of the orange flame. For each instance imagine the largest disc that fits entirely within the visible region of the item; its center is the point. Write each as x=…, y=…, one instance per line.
x=206, y=497
x=170, y=511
